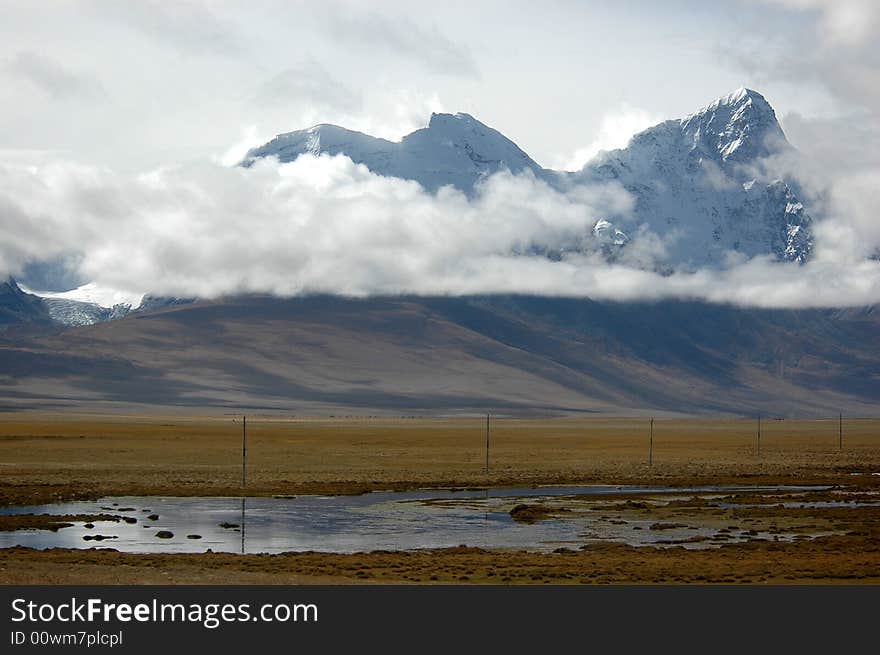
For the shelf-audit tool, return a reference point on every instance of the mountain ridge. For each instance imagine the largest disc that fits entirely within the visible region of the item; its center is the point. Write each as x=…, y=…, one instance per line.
x=440, y=154
x=693, y=179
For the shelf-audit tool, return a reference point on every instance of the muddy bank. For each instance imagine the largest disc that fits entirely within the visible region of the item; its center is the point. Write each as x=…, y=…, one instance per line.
x=836, y=560
x=51, y=522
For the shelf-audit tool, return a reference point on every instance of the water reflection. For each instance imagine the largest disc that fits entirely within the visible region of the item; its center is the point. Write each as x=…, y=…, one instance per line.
x=345, y=524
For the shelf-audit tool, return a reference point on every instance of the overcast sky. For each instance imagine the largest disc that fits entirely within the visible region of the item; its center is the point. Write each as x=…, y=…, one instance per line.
x=116, y=120
x=136, y=84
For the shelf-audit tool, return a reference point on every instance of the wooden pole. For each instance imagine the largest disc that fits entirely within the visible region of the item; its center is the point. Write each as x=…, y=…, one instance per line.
x=759, y=433
x=487, y=443
x=243, y=451
x=651, y=444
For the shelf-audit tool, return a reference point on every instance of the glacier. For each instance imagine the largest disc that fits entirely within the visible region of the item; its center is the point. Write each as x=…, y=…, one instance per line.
x=92, y=303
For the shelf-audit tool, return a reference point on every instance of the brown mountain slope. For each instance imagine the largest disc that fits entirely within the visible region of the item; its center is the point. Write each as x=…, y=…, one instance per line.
x=412, y=355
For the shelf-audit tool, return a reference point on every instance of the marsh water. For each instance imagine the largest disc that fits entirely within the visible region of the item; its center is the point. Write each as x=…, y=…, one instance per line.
x=406, y=520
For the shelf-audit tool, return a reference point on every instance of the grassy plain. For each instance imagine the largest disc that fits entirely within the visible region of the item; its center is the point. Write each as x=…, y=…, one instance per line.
x=46, y=457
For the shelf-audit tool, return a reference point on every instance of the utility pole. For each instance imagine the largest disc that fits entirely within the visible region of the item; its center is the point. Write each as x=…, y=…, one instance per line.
x=487, y=443
x=759, y=433
x=243, y=451
x=651, y=444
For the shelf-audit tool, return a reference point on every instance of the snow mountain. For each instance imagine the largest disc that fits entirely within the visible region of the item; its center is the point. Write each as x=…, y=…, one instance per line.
x=75, y=313
x=86, y=305
x=701, y=196
x=698, y=186
x=454, y=149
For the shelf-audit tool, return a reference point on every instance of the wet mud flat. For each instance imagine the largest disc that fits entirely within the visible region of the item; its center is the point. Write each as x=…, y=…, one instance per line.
x=850, y=558
x=540, y=519
x=745, y=535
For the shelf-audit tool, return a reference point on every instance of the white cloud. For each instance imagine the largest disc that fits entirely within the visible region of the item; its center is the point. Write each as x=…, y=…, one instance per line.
x=832, y=47
x=53, y=78
x=325, y=224
x=405, y=38
x=307, y=83
x=250, y=138
x=615, y=131
x=848, y=22
x=189, y=26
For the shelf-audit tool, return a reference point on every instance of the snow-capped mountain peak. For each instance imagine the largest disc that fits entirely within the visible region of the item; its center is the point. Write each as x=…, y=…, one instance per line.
x=694, y=185
x=95, y=294
x=439, y=121
x=453, y=149
x=692, y=179
x=88, y=304
x=320, y=139
x=739, y=126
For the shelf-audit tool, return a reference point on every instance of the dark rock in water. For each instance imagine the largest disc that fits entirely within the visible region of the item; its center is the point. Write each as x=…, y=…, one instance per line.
x=228, y=525
x=164, y=534
x=667, y=526
x=126, y=509
x=529, y=513
x=97, y=537
x=193, y=536
x=89, y=526
x=129, y=519
x=153, y=517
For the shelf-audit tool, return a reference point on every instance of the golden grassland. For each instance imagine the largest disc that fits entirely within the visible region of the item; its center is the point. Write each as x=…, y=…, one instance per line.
x=45, y=457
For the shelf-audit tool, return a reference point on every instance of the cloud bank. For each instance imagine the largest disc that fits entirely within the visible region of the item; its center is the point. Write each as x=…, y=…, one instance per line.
x=326, y=225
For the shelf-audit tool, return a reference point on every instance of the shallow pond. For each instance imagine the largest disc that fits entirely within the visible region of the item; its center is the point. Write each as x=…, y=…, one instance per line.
x=428, y=518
